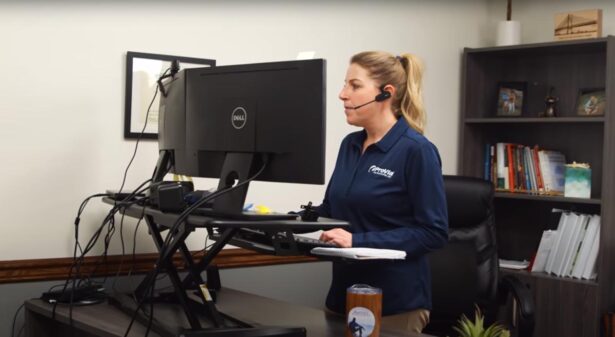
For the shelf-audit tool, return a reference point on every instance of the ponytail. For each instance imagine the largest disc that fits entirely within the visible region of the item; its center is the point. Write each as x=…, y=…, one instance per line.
x=411, y=103
x=405, y=73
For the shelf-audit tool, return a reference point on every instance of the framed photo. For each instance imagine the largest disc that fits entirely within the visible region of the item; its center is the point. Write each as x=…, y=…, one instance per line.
x=591, y=102
x=142, y=73
x=511, y=98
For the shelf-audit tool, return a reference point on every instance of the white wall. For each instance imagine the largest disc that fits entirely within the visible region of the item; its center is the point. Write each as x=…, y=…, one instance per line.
x=62, y=91
x=537, y=17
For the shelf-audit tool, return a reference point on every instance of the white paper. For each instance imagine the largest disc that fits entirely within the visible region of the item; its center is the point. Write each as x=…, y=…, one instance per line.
x=512, y=264
x=360, y=253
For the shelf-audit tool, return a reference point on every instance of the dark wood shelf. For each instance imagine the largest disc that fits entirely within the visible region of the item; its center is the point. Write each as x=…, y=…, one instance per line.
x=547, y=198
x=545, y=276
x=521, y=218
x=529, y=120
x=572, y=45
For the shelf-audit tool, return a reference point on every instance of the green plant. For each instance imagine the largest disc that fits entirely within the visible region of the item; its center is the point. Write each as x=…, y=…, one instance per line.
x=467, y=328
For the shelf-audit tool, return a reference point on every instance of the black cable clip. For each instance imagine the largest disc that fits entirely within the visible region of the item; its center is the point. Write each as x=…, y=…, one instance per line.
x=309, y=213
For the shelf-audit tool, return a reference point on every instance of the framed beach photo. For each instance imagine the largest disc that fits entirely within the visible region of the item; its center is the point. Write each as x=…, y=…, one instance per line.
x=141, y=106
x=591, y=102
x=511, y=98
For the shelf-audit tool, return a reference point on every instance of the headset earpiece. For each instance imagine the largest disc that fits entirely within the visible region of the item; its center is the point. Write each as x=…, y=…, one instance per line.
x=383, y=95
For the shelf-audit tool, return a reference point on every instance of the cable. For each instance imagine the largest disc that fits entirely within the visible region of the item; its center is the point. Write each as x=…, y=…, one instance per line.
x=74, y=270
x=141, y=134
x=109, y=220
x=134, y=245
x=15, y=319
x=181, y=218
x=119, y=269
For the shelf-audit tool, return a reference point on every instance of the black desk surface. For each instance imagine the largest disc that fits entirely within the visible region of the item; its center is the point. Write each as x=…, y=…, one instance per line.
x=168, y=219
x=106, y=320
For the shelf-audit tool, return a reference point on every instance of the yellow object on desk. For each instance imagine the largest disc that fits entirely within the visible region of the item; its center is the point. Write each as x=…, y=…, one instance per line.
x=260, y=209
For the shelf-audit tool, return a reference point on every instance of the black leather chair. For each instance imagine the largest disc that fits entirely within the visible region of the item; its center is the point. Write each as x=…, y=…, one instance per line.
x=465, y=273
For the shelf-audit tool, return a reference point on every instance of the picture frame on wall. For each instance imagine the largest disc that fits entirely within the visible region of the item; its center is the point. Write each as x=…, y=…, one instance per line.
x=511, y=100
x=591, y=102
x=142, y=73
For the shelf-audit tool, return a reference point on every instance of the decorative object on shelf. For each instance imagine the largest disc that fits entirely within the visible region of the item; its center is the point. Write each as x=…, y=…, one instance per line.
x=578, y=180
x=578, y=25
x=511, y=98
x=535, y=100
x=591, y=102
x=509, y=31
x=550, y=104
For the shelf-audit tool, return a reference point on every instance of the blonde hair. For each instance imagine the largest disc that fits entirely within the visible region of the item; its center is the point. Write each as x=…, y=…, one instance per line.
x=405, y=73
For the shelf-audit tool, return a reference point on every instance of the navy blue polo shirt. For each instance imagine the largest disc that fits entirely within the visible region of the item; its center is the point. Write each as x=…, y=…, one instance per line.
x=393, y=197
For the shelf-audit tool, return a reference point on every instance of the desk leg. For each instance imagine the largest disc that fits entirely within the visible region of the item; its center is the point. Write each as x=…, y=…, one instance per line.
x=35, y=325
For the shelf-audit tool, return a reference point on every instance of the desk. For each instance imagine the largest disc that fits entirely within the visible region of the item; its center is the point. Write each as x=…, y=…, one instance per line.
x=108, y=321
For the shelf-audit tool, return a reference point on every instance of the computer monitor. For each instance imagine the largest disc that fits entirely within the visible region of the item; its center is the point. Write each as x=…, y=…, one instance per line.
x=237, y=118
x=172, y=127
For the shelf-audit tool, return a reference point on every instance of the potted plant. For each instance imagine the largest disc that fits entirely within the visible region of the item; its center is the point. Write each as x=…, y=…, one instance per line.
x=467, y=328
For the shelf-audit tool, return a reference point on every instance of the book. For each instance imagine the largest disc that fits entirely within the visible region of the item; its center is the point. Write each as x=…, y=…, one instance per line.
x=530, y=164
x=593, y=227
x=544, y=248
x=536, y=162
x=544, y=169
x=487, y=162
x=511, y=167
x=501, y=172
x=556, y=163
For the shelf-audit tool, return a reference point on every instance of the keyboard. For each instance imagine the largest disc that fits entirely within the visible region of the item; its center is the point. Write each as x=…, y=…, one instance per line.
x=313, y=243
x=276, y=243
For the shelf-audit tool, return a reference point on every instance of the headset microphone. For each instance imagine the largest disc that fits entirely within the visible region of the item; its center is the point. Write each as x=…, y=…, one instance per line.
x=383, y=95
x=362, y=105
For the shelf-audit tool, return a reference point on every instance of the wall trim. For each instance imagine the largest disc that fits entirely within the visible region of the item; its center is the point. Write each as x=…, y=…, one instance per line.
x=57, y=268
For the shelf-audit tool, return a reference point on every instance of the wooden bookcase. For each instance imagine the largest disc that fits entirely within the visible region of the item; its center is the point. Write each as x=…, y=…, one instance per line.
x=564, y=306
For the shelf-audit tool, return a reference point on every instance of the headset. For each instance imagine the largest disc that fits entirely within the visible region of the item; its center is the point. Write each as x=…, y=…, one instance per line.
x=382, y=96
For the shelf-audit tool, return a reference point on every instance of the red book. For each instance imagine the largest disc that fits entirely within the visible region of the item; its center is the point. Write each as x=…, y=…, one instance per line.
x=511, y=167
x=539, y=181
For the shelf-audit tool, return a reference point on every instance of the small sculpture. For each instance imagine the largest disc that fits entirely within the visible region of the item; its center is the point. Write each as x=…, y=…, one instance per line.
x=550, y=104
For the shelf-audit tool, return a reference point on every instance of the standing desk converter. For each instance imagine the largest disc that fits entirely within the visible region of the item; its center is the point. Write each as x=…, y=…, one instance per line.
x=199, y=302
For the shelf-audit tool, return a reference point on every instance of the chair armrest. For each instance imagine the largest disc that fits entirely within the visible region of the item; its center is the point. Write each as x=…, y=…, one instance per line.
x=510, y=284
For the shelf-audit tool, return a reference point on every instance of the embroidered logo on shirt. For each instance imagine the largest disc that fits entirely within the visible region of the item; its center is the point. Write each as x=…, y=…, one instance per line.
x=381, y=171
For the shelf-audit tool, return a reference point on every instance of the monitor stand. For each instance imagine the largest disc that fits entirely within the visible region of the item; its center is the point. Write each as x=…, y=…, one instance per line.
x=238, y=167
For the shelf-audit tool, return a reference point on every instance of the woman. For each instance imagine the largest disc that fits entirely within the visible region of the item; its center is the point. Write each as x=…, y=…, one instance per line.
x=388, y=184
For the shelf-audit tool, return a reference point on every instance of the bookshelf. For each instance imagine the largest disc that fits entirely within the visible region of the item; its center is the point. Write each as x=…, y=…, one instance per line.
x=564, y=306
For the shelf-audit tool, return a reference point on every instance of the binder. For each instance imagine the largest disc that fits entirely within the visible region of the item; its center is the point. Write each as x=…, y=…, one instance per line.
x=565, y=243
x=573, y=249
x=593, y=227
x=544, y=248
x=589, y=271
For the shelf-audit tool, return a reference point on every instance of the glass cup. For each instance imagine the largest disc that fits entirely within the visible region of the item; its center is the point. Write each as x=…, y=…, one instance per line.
x=363, y=311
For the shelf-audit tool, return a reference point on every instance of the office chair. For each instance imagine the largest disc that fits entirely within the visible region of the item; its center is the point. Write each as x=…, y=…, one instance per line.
x=465, y=271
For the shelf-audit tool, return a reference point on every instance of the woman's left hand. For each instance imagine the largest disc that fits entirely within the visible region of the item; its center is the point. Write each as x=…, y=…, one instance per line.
x=338, y=236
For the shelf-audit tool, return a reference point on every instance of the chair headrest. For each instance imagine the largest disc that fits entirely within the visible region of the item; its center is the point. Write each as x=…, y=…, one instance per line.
x=470, y=200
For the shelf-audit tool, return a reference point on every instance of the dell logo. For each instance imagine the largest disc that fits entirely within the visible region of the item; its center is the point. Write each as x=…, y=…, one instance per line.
x=239, y=118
